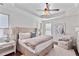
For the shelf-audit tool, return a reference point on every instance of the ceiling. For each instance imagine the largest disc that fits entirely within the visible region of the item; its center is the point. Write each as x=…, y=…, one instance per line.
x=33, y=8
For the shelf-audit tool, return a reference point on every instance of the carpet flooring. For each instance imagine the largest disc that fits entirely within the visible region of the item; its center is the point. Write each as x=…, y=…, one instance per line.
x=58, y=51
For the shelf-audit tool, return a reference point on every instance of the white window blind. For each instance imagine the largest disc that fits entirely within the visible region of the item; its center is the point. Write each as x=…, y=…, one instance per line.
x=3, y=24
x=3, y=21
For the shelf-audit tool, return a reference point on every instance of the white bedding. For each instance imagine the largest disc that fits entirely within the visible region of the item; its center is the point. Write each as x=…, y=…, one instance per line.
x=26, y=50
x=42, y=46
x=21, y=43
x=40, y=49
x=33, y=42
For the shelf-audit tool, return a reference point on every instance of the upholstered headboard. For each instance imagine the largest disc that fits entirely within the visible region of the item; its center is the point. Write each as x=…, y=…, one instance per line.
x=22, y=29
x=17, y=30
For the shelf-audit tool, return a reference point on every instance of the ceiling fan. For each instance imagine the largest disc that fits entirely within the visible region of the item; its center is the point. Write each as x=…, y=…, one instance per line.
x=47, y=9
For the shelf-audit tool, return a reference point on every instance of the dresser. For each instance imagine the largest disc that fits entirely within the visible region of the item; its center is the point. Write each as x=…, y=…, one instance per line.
x=7, y=47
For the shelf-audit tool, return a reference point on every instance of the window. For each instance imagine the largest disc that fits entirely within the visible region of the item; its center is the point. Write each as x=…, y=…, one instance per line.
x=3, y=24
x=48, y=29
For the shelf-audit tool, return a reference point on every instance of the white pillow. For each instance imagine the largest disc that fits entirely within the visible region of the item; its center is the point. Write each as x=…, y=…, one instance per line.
x=24, y=35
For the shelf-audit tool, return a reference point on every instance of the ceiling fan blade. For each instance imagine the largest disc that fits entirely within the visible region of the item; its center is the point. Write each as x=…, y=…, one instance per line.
x=40, y=10
x=47, y=7
x=48, y=10
x=53, y=10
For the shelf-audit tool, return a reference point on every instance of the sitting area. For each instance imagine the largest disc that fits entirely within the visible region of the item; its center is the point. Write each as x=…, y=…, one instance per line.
x=65, y=41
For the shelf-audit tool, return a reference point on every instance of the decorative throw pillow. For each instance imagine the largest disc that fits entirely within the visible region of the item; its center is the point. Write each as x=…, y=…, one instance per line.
x=33, y=34
x=24, y=35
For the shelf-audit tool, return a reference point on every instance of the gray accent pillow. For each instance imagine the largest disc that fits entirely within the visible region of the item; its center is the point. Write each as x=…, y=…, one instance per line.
x=33, y=34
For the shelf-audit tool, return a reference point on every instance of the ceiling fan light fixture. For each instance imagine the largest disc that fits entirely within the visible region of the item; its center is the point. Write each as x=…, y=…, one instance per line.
x=46, y=12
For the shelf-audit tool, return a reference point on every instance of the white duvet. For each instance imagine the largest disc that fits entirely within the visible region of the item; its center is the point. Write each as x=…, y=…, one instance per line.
x=42, y=44
x=39, y=48
x=33, y=42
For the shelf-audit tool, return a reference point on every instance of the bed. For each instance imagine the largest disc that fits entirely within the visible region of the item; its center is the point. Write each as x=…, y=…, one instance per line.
x=39, y=50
